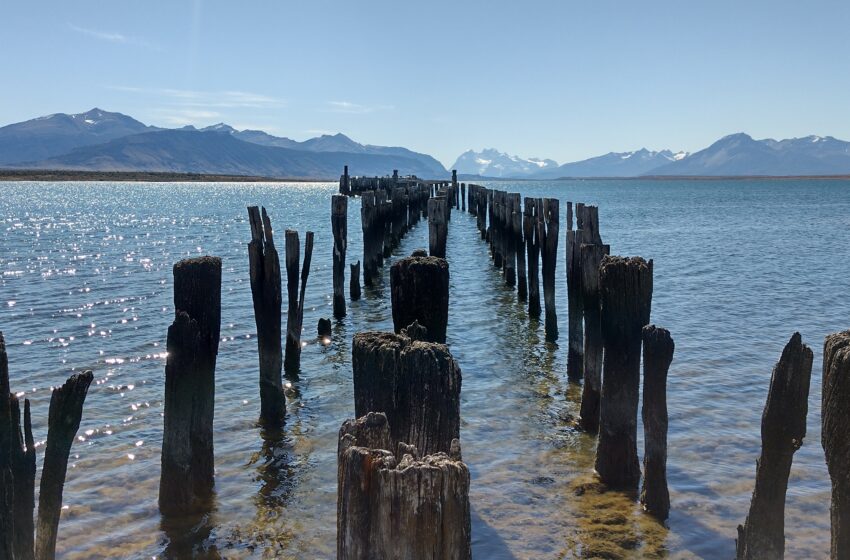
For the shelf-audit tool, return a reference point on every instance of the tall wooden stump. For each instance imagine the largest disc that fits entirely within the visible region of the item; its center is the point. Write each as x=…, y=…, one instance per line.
x=66, y=410
x=575, y=304
x=783, y=427
x=591, y=257
x=265, y=289
x=510, y=249
x=437, y=227
x=186, y=482
x=532, y=244
x=339, y=225
x=519, y=243
x=345, y=183
x=463, y=195
x=295, y=315
x=409, y=508
x=547, y=228
x=420, y=292
x=369, y=220
x=416, y=384
x=625, y=291
x=354, y=281
x=657, y=355
x=17, y=470
x=835, y=436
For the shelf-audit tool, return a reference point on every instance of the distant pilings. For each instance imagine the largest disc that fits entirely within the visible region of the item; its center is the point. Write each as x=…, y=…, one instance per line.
x=295, y=314
x=625, y=289
x=186, y=481
x=783, y=427
x=264, y=267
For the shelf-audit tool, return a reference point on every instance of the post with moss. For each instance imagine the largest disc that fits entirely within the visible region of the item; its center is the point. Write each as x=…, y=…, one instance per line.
x=339, y=226
x=295, y=315
x=591, y=257
x=783, y=427
x=420, y=292
x=186, y=480
x=264, y=266
x=625, y=292
x=657, y=355
x=835, y=436
x=66, y=411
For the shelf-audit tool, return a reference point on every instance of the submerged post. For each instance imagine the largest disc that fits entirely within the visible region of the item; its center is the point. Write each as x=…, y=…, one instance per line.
x=437, y=227
x=186, y=482
x=354, y=281
x=625, y=291
x=420, y=292
x=835, y=436
x=295, y=316
x=339, y=224
x=657, y=354
x=783, y=427
x=264, y=267
x=591, y=257
x=66, y=411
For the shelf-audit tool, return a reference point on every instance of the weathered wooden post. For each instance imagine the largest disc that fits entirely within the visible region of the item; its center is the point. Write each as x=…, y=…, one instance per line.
x=835, y=437
x=783, y=427
x=547, y=227
x=400, y=508
x=437, y=227
x=591, y=257
x=575, y=304
x=625, y=291
x=345, y=183
x=339, y=225
x=369, y=222
x=532, y=244
x=295, y=315
x=463, y=195
x=354, y=281
x=266, y=292
x=416, y=384
x=519, y=247
x=420, y=292
x=657, y=354
x=186, y=482
x=509, y=209
x=66, y=411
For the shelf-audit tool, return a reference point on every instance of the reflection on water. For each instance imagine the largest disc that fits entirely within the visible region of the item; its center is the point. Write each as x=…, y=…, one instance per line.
x=85, y=283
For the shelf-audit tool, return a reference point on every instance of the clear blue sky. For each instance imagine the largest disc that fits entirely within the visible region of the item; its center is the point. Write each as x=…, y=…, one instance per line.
x=560, y=79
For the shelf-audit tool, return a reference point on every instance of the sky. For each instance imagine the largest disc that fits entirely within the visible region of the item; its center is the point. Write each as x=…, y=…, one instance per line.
x=561, y=79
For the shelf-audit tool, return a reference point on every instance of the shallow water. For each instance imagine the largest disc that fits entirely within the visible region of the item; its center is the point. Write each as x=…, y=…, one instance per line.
x=739, y=266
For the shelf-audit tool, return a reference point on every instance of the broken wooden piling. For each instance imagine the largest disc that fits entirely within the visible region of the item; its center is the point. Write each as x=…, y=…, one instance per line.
x=372, y=236
x=591, y=257
x=264, y=266
x=339, y=226
x=437, y=227
x=186, y=480
x=416, y=384
x=532, y=245
x=547, y=229
x=420, y=292
x=295, y=314
x=625, y=291
x=783, y=427
x=835, y=437
x=657, y=355
x=354, y=281
x=66, y=411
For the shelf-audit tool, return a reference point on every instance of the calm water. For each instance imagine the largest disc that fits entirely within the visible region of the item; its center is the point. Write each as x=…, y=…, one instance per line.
x=85, y=283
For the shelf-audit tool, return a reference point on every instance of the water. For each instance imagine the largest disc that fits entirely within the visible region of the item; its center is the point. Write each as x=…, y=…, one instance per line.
x=85, y=283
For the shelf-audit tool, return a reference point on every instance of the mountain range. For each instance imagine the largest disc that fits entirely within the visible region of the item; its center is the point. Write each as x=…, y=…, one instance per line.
x=99, y=140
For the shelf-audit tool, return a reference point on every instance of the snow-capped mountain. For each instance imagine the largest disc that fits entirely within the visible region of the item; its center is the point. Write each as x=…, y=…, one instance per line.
x=493, y=163
x=619, y=164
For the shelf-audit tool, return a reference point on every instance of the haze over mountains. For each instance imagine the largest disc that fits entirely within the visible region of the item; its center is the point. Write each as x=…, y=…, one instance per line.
x=99, y=140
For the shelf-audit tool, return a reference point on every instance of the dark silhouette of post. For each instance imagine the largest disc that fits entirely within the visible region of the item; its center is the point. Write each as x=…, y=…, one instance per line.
x=575, y=304
x=783, y=427
x=420, y=292
x=295, y=315
x=437, y=227
x=66, y=411
x=264, y=267
x=591, y=257
x=657, y=355
x=186, y=481
x=354, y=281
x=532, y=244
x=547, y=229
x=339, y=225
x=625, y=291
x=835, y=436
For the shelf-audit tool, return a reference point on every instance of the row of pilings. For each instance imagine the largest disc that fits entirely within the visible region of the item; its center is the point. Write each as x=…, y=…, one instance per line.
x=402, y=485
